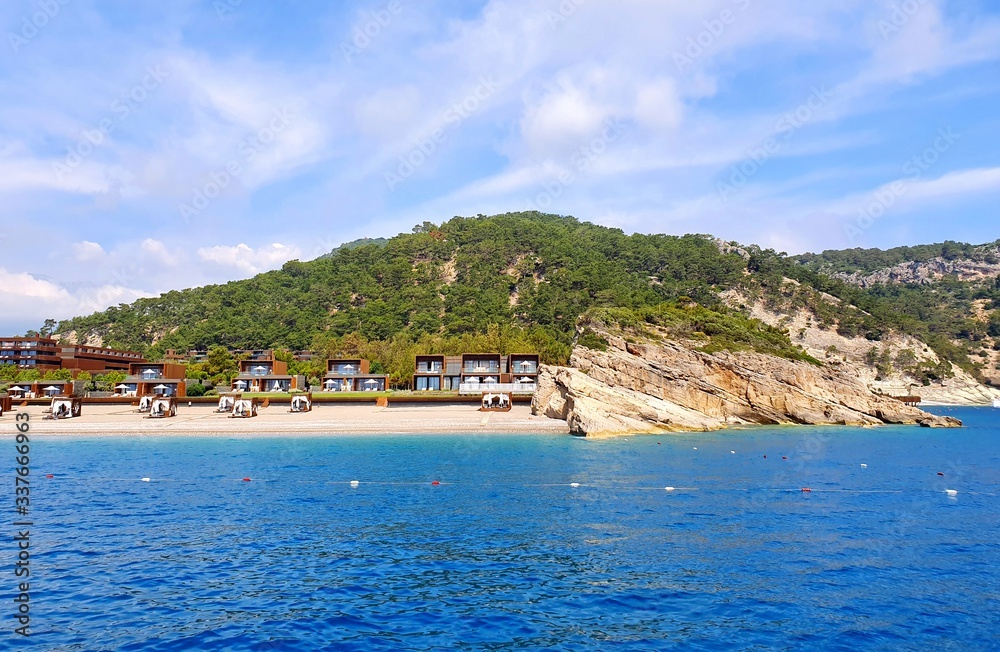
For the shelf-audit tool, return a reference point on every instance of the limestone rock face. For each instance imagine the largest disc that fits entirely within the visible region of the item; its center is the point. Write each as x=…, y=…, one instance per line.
x=666, y=386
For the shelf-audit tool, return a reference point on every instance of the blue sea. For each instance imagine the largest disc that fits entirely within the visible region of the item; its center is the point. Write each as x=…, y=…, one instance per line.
x=505, y=553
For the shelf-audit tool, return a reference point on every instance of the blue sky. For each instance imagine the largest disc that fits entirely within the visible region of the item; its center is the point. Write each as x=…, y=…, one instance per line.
x=146, y=147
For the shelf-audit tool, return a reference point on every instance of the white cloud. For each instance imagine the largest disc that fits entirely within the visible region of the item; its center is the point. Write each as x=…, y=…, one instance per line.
x=26, y=299
x=658, y=105
x=157, y=253
x=248, y=260
x=86, y=251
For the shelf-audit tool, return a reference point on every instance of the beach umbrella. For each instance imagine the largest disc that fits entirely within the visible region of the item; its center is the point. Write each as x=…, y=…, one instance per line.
x=474, y=379
x=241, y=383
x=348, y=366
x=161, y=387
x=371, y=381
x=52, y=388
x=15, y=388
x=524, y=379
x=491, y=379
x=260, y=368
x=122, y=386
x=329, y=382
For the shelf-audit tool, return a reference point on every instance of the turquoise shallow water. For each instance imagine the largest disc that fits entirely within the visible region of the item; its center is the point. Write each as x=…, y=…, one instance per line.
x=506, y=554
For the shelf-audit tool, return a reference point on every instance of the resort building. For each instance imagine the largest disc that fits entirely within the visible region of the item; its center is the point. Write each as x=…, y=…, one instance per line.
x=437, y=372
x=482, y=368
x=473, y=373
x=46, y=354
x=97, y=359
x=40, y=389
x=352, y=375
x=523, y=369
x=41, y=353
x=261, y=372
x=151, y=378
x=46, y=388
x=173, y=356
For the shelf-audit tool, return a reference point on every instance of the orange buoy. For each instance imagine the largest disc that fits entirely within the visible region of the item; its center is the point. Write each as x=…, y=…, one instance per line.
x=435, y=483
x=49, y=475
x=806, y=489
x=246, y=479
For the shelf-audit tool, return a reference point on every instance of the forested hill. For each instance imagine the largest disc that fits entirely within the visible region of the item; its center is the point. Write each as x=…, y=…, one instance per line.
x=533, y=271
x=852, y=261
x=525, y=278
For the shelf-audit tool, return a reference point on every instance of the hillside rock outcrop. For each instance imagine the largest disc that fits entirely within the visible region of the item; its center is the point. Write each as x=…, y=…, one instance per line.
x=666, y=386
x=924, y=272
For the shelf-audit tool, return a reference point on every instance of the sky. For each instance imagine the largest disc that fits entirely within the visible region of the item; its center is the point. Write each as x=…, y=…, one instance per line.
x=149, y=147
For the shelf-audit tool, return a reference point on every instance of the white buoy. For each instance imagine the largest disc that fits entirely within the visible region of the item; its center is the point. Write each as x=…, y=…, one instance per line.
x=574, y=484
x=354, y=483
x=145, y=479
x=668, y=488
x=732, y=452
x=696, y=448
x=951, y=492
x=864, y=466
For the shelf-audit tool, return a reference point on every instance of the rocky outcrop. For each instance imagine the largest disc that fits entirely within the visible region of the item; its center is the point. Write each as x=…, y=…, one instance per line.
x=667, y=386
x=925, y=271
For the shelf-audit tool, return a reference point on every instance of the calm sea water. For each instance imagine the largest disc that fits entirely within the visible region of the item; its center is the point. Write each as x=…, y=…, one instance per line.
x=505, y=554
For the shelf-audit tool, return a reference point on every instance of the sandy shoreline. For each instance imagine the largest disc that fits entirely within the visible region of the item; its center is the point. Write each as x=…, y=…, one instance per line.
x=276, y=420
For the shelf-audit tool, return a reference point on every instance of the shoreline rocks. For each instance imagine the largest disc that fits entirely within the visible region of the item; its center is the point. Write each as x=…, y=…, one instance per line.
x=666, y=386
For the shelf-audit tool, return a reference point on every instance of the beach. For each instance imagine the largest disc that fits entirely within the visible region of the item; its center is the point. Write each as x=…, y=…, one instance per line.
x=276, y=420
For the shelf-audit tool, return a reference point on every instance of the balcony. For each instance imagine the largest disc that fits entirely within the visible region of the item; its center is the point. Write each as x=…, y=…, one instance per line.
x=481, y=367
x=513, y=388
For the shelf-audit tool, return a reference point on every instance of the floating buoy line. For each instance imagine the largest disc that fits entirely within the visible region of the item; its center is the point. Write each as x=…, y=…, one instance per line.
x=574, y=485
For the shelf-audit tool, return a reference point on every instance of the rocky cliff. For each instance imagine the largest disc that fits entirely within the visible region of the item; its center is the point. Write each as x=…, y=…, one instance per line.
x=925, y=272
x=664, y=385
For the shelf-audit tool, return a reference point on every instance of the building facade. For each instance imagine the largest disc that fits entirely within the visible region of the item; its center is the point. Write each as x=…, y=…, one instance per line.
x=97, y=359
x=154, y=378
x=41, y=353
x=437, y=373
x=261, y=372
x=471, y=373
x=352, y=375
